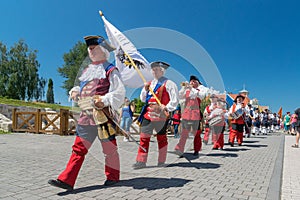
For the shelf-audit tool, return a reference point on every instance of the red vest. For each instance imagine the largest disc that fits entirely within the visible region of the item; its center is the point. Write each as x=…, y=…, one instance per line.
x=239, y=120
x=192, y=108
x=94, y=87
x=164, y=98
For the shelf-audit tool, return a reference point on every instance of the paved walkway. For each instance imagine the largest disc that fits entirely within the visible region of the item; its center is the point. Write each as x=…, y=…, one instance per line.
x=252, y=171
x=291, y=171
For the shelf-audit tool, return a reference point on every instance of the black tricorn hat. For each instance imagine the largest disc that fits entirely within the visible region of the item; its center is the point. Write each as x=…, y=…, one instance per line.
x=213, y=96
x=98, y=40
x=239, y=95
x=193, y=77
x=160, y=64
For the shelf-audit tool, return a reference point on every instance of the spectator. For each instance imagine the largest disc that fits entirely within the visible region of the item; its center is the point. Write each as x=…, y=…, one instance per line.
x=176, y=121
x=286, y=122
x=293, y=122
x=126, y=114
x=297, y=128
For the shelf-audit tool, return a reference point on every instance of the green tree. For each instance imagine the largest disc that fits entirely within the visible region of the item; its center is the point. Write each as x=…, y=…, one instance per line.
x=138, y=105
x=4, y=74
x=40, y=90
x=50, y=94
x=19, y=71
x=74, y=62
x=205, y=102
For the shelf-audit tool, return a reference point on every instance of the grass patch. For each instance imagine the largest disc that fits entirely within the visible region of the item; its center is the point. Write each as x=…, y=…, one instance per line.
x=14, y=102
x=3, y=132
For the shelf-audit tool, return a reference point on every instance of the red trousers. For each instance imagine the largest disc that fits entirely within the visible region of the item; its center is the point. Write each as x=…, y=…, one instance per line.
x=235, y=134
x=183, y=137
x=162, y=142
x=206, y=134
x=80, y=149
x=218, y=139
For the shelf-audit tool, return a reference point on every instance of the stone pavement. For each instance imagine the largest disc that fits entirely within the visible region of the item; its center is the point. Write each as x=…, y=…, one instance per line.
x=291, y=171
x=252, y=171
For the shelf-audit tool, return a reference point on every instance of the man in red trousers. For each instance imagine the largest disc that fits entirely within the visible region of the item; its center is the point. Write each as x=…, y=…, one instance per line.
x=100, y=89
x=154, y=116
x=237, y=112
x=191, y=115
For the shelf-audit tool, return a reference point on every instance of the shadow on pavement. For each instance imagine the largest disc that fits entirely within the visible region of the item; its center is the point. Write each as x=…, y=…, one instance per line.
x=255, y=145
x=83, y=189
x=250, y=141
x=260, y=137
x=196, y=165
x=136, y=183
x=153, y=183
x=223, y=155
x=235, y=149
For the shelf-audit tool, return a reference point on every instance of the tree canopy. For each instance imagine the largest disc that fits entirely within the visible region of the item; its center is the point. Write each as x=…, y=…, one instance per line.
x=19, y=78
x=50, y=93
x=74, y=61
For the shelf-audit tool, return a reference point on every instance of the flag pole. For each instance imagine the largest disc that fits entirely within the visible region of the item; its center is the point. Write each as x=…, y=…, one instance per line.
x=138, y=71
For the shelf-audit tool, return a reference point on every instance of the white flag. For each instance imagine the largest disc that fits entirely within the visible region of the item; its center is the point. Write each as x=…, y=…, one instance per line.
x=129, y=75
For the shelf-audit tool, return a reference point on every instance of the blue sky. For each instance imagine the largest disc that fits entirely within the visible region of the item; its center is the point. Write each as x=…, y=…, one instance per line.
x=252, y=42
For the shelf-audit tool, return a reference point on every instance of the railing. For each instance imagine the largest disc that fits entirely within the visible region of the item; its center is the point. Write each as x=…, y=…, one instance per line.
x=54, y=122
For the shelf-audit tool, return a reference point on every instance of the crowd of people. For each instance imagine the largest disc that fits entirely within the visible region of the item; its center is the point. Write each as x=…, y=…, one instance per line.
x=102, y=92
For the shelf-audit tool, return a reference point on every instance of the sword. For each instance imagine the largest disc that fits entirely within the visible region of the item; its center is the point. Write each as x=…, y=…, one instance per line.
x=117, y=124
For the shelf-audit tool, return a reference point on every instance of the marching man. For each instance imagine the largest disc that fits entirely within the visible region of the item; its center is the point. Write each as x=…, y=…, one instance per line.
x=155, y=116
x=218, y=127
x=100, y=89
x=237, y=112
x=208, y=109
x=191, y=115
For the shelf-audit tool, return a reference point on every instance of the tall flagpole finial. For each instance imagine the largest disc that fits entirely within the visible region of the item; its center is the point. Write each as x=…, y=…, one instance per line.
x=101, y=13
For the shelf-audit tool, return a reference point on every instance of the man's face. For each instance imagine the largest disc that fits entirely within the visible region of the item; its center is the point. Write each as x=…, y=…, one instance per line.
x=194, y=83
x=96, y=53
x=157, y=72
x=239, y=100
x=213, y=100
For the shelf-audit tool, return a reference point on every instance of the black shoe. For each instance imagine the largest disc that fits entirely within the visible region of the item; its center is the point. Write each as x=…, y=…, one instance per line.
x=179, y=153
x=231, y=144
x=139, y=165
x=196, y=153
x=240, y=144
x=214, y=148
x=161, y=164
x=110, y=182
x=60, y=184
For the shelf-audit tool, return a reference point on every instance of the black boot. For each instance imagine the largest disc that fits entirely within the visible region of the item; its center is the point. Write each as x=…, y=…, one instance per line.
x=60, y=184
x=139, y=165
x=110, y=182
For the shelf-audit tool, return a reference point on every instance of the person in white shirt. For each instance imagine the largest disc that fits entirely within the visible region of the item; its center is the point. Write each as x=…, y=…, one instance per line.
x=101, y=89
x=256, y=122
x=237, y=112
x=208, y=109
x=155, y=115
x=191, y=115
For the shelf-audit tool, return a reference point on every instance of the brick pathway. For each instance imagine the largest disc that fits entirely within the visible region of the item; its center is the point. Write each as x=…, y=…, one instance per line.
x=251, y=171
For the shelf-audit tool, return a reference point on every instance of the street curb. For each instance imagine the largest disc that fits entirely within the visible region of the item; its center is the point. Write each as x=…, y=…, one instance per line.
x=274, y=191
